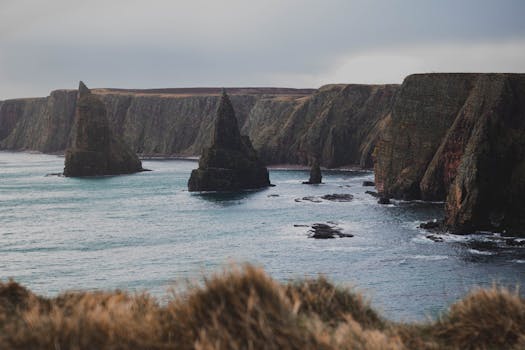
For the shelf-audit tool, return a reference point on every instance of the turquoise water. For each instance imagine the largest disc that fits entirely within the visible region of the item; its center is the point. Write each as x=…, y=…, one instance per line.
x=146, y=232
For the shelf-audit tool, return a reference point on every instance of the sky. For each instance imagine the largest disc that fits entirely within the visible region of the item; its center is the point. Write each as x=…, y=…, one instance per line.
x=52, y=44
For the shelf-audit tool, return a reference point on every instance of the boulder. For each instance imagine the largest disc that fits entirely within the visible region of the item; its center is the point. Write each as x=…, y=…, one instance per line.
x=326, y=231
x=431, y=225
x=369, y=183
x=231, y=163
x=95, y=150
x=384, y=200
x=338, y=197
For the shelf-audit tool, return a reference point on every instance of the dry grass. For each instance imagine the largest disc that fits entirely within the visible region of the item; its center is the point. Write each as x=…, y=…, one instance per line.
x=245, y=309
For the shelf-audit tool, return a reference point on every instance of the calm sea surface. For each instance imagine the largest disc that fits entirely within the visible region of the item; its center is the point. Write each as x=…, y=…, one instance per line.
x=146, y=232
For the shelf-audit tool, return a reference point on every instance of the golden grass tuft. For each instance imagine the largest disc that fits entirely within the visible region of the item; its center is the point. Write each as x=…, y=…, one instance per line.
x=485, y=319
x=244, y=308
x=331, y=303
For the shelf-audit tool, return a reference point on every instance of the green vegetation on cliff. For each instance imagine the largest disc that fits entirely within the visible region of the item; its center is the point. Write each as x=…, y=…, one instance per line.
x=246, y=309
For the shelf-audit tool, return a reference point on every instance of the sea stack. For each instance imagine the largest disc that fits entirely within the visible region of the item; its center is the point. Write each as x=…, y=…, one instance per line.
x=231, y=163
x=94, y=149
x=315, y=174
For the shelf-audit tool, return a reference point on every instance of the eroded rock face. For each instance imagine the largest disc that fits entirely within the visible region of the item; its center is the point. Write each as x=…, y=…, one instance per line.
x=341, y=122
x=488, y=190
x=231, y=163
x=459, y=138
x=95, y=150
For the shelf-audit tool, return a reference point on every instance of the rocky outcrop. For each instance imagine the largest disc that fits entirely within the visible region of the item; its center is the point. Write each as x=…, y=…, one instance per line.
x=459, y=138
x=339, y=122
x=95, y=150
x=315, y=174
x=230, y=163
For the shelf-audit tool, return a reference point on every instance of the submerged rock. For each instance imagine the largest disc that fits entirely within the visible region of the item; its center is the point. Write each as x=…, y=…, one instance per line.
x=338, y=197
x=435, y=238
x=431, y=225
x=369, y=183
x=384, y=200
x=231, y=163
x=325, y=231
x=312, y=199
x=335, y=197
x=95, y=150
x=372, y=193
x=315, y=174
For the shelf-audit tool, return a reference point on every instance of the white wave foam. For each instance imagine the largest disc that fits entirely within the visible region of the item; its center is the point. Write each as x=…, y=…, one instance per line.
x=479, y=252
x=429, y=257
x=518, y=261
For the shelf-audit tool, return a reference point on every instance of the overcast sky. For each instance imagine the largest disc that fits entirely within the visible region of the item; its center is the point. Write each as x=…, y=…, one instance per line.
x=46, y=45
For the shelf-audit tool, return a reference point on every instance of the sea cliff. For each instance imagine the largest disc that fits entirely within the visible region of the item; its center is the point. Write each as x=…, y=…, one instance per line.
x=459, y=138
x=341, y=122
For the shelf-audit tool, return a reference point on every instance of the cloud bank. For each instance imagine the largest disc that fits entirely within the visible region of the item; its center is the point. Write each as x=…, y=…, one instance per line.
x=159, y=43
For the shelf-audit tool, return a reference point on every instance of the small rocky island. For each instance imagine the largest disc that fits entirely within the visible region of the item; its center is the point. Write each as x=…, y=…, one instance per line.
x=315, y=174
x=95, y=150
x=231, y=163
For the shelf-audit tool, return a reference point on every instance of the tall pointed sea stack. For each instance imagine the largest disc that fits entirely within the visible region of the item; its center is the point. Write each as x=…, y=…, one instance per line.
x=231, y=163
x=94, y=149
x=315, y=173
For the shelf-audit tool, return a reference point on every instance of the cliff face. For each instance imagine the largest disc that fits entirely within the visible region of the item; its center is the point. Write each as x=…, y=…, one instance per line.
x=459, y=137
x=41, y=124
x=285, y=125
x=339, y=123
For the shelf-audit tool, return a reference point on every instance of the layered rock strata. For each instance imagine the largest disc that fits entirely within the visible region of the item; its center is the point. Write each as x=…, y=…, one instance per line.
x=95, y=150
x=230, y=163
x=341, y=123
x=459, y=138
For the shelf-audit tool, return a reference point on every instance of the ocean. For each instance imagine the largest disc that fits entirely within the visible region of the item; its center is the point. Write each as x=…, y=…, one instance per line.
x=146, y=232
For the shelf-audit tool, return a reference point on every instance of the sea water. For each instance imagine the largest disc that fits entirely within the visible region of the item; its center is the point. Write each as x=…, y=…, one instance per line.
x=146, y=232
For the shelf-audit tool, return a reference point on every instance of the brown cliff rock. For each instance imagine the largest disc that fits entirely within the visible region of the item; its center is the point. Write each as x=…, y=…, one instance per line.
x=342, y=122
x=459, y=137
x=95, y=150
x=230, y=163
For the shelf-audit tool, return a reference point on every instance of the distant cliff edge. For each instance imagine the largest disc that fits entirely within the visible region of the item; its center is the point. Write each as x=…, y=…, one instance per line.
x=339, y=122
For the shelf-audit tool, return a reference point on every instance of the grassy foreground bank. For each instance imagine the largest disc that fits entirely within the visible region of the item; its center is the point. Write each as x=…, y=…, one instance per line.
x=244, y=308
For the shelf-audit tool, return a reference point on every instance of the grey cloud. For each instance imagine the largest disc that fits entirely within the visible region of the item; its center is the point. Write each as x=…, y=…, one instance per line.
x=52, y=44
